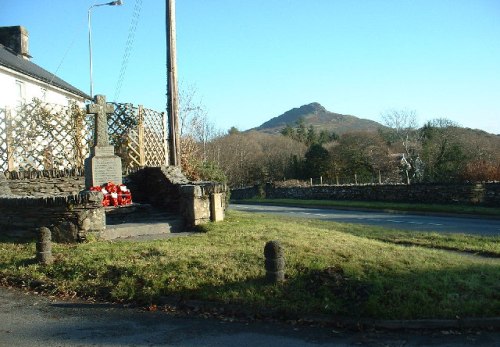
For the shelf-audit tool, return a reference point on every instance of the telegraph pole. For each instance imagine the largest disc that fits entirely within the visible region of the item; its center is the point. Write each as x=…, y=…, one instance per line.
x=172, y=93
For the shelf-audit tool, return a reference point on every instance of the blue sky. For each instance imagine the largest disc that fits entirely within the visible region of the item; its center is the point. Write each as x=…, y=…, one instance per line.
x=251, y=60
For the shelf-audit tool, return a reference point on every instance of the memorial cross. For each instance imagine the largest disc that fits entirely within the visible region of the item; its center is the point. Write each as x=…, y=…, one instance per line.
x=100, y=109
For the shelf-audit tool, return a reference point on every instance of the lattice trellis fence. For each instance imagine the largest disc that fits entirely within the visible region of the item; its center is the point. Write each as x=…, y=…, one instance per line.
x=4, y=116
x=42, y=136
x=139, y=136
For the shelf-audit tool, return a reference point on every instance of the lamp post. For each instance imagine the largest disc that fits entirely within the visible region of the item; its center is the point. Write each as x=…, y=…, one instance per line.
x=112, y=3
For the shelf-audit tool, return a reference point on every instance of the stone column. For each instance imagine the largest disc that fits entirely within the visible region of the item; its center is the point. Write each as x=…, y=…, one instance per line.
x=275, y=262
x=102, y=166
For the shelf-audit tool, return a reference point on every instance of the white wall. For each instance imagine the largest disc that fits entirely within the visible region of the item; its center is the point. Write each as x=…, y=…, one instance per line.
x=16, y=88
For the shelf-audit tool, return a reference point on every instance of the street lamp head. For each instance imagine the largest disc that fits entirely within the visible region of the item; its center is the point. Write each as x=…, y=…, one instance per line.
x=112, y=3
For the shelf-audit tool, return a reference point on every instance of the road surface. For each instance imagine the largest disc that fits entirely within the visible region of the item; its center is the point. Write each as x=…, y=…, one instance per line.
x=478, y=226
x=34, y=320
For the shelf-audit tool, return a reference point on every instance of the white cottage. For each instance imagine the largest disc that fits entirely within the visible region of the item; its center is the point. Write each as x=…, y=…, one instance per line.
x=21, y=80
x=30, y=146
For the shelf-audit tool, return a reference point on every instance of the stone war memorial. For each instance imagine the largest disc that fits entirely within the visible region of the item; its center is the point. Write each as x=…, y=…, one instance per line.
x=102, y=166
x=53, y=180
x=163, y=199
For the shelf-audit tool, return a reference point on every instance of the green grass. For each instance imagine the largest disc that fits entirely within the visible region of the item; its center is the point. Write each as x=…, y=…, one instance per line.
x=331, y=268
x=488, y=246
x=377, y=205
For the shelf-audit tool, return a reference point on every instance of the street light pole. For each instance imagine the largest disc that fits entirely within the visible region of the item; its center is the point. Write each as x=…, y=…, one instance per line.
x=112, y=3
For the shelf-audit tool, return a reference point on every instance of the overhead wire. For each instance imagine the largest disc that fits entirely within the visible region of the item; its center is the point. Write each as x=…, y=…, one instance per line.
x=128, y=47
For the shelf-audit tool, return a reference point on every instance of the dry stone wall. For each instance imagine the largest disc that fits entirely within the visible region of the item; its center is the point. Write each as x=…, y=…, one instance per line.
x=486, y=194
x=167, y=188
x=70, y=218
x=43, y=183
x=52, y=198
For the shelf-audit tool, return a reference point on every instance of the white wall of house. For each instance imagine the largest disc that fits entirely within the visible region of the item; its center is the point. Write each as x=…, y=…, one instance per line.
x=16, y=88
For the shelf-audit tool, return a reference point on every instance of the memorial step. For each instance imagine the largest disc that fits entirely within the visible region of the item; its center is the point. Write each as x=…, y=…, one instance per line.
x=139, y=220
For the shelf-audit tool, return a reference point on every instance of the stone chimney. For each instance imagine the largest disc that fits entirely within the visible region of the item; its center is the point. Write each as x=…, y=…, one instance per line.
x=16, y=39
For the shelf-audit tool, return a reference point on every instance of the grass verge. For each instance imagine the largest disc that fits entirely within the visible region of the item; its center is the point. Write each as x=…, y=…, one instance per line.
x=330, y=270
x=377, y=205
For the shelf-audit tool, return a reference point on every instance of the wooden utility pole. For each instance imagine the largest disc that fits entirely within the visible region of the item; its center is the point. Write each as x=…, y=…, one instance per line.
x=172, y=94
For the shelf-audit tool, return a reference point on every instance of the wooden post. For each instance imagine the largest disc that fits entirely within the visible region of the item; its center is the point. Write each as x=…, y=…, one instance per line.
x=379, y=177
x=165, y=137
x=355, y=178
x=172, y=93
x=140, y=135
x=8, y=137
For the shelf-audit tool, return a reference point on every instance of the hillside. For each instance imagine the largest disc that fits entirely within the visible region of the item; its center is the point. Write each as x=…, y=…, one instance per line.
x=316, y=115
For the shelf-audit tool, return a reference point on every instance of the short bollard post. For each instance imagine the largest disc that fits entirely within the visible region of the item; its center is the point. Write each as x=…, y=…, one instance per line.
x=44, y=246
x=275, y=262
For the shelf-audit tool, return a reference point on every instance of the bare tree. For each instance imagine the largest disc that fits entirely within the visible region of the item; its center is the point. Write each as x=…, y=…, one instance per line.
x=250, y=157
x=403, y=134
x=196, y=131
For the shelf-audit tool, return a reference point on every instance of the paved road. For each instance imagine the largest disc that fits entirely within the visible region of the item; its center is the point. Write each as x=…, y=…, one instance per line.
x=31, y=320
x=415, y=222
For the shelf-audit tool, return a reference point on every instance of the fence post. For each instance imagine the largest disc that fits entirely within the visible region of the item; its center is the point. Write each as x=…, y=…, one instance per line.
x=355, y=178
x=8, y=137
x=165, y=137
x=140, y=135
x=311, y=181
x=320, y=180
x=379, y=177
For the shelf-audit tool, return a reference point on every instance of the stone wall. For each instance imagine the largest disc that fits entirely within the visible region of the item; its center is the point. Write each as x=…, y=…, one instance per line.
x=57, y=200
x=203, y=202
x=487, y=194
x=167, y=188
x=44, y=183
x=71, y=218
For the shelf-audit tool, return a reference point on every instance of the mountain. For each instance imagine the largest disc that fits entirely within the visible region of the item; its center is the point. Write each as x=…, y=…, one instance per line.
x=321, y=119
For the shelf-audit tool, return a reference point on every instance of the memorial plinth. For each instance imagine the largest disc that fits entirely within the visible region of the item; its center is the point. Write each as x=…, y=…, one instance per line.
x=102, y=166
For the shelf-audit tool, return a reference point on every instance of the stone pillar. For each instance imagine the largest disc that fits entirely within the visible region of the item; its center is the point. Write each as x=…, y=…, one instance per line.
x=217, y=207
x=195, y=206
x=44, y=246
x=275, y=262
x=4, y=185
x=102, y=166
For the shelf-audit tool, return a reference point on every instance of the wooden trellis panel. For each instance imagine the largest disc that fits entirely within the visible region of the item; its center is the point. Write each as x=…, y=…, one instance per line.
x=155, y=136
x=4, y=164
x=41, y=136
x=121, y=125
x=138, y=135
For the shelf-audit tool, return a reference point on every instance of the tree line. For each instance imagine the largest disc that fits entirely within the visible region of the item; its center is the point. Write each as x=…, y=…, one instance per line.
x=401, y=152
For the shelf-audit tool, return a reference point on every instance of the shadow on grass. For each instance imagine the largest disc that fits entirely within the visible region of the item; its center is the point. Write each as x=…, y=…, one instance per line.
x=459, y=293
x=20, y=239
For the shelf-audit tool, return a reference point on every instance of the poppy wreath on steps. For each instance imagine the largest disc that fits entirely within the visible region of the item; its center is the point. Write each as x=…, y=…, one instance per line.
x=114, y=194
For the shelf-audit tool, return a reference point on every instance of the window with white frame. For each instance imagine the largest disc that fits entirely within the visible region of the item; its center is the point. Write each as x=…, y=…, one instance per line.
x=44, y=94
x=20, y=93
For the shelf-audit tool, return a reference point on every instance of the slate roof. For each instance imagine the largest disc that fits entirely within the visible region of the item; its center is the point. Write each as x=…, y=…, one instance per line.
x=26, y=67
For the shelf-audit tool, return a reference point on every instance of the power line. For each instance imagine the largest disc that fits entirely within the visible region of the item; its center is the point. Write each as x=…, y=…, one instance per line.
x=128, y=47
